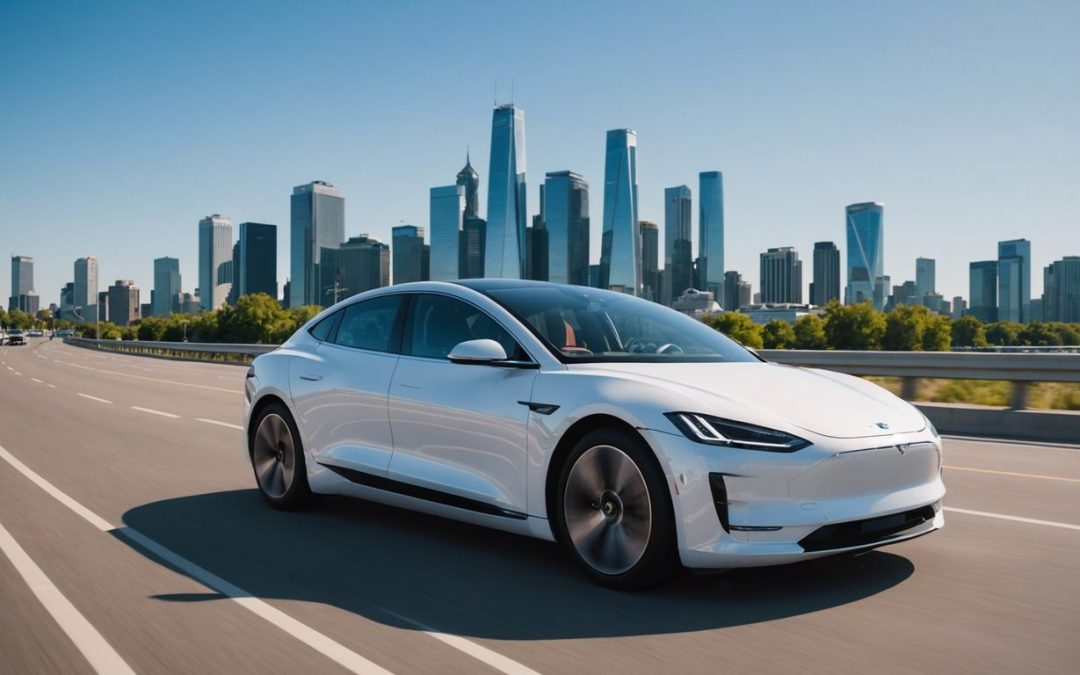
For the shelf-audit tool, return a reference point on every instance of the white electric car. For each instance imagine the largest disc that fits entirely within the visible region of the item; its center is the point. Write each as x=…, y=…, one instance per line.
x=636, y=436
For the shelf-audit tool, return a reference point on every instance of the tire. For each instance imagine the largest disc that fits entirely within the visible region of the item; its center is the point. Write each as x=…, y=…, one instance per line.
x=277, y=459
x=613, y=511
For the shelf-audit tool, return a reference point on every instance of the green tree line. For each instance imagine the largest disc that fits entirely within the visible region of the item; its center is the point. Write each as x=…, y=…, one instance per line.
x=905, y=328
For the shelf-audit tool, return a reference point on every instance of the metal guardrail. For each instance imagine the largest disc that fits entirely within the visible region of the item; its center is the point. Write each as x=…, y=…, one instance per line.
x=188, y=351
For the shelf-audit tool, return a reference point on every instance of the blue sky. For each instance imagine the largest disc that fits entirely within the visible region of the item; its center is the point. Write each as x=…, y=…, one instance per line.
x=123, y=123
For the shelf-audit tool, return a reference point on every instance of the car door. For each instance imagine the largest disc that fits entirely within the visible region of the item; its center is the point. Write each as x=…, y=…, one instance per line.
x=459, y=430
x=340, y=388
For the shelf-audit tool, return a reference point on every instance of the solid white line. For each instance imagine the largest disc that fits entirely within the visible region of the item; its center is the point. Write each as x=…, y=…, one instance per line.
x=220, y=424
x=18, y=373
x=1018, y=519
x=102, y=657
x=479, y=652
x=94, y=398
x=154, y=412
x=11, y=369
x=50, y=386
x=309, y=636
x=37, y=380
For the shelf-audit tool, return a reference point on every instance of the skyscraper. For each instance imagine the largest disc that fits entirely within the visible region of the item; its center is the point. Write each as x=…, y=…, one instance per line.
x=1014, y=280
x=363, y=264
x=565, y=211
x=215, y=261
x=620, y=245
x=446, y=212
x=22, y=285
x=504, y=254
x=736, y=291
x=411, y=254
x=925, y=278
x=678, y=253
x=257, y=264
x=469, y=181
x=473, y=227
x=826, y=283
x=317, y=223
x=650, y=261
x=1061, y=290
x=865, y=224
x=85, y=291
x=123, y=304
x=983, y=290
x=711, y=232
x=166, y=295
x=781, y=275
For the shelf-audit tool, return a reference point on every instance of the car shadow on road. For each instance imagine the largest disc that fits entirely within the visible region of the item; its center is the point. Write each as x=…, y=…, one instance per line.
x=386, y=564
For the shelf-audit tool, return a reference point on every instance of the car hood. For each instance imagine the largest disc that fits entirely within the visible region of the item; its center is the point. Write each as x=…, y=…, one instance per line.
x=823, y=402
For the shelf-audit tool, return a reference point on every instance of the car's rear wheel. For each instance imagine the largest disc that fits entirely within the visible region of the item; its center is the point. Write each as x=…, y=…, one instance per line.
x=277, y=457
x=613, y=512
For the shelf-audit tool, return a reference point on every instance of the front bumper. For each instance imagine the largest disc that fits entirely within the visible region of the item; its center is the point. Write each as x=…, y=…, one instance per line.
x=785, y=507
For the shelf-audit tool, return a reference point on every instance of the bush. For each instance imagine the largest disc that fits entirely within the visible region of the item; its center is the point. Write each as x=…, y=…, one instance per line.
x=778, y=335
x=810, y=333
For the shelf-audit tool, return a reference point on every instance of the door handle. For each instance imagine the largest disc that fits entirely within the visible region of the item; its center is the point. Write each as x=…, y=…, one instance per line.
x=311, y=378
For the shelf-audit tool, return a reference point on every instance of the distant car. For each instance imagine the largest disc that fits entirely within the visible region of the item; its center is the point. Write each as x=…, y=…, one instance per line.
x=36, y=333
x=64, y=332
x=16, y=337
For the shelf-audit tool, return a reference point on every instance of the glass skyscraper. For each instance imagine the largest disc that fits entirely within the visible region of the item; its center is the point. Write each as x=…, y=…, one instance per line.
x=865, y=225
x=504, y=254
x=215, y=262
x=711, y=232
x=620, y=245
x=85, y=290
x=982, y=294
x=23, y=297
x=826, y=283
x=650, y=261
x=1014, y=280
x=925, y=278
x=781, y=275
x=410, y=253
x=678, y=253
x=362, y=263
x=317, y=223
x=566, y=218
x=1061, y=290
x=166, y=295
x=257, y=264
x=447, y=210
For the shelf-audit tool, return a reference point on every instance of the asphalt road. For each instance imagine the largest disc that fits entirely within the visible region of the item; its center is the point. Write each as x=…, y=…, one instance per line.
x=131, y=536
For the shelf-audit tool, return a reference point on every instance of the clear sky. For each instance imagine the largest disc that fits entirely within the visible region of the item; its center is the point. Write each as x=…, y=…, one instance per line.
x=123, y=123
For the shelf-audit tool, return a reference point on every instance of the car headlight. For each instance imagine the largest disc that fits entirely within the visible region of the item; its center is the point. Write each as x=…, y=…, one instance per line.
x=929, y=425
x=717, y=431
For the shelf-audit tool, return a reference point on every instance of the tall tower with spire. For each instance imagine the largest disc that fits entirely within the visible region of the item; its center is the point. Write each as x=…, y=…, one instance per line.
x=469, y=180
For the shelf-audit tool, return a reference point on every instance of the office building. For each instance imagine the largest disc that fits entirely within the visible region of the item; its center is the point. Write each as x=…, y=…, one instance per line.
x=66, y=310
x=85, y=289
x=504, y=253
x=215, y=261
x=710, y=270
x=781, y=276
x=411, y=254
x=904, y=294
x=473, y=240
x=696, y=303
x=865, y=227
x=736, y=291
x=959, y=307
x=678, y=253
x=123, y=306
x=594, y=276
x=23, y=297
x=650, y=261
x=166, y=294
x=1014, y=280
x=1061, y=290
x=982, y=293
x=826, y=283
x=257, y=265
x=925, y=278
x=469, y=181
x=362, y=264
x=620, y=244
x=317, y=224
x=447, y=208
x=536, y=249
x=564, y=215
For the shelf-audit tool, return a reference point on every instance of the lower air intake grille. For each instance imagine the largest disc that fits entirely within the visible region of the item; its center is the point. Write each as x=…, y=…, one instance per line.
x=865, y=532
x=719, y=495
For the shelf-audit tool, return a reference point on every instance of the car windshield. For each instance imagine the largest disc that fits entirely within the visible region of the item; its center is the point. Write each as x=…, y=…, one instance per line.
x=587, y=325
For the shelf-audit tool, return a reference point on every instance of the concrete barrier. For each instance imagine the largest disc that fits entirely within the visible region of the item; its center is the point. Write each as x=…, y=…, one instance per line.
x=1049, y=426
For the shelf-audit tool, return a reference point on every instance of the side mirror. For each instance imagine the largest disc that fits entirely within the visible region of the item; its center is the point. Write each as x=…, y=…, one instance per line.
x=477, y=352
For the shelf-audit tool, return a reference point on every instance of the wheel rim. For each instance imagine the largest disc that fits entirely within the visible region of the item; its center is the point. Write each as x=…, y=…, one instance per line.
x=607, y=509
x=274, y=456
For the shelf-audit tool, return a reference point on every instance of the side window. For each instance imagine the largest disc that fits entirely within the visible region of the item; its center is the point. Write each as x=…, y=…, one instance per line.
x=369, y=324
x=325, y=328
x=439, y=323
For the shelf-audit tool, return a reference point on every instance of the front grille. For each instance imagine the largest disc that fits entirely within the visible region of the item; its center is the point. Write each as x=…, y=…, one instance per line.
x=865, y=532
x=719, y=495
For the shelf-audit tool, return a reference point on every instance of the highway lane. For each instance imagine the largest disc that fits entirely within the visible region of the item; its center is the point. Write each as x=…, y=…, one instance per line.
x=983, y=595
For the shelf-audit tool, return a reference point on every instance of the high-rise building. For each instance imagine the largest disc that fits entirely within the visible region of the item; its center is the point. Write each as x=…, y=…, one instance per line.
x=85, y=290
x=565, y=216
x=906, y=293
x=620, y=244
x=362, y=264
x=469, y=181
x=504, y=254
x=959, y=306
x=650, y=261
x=257, y=264
x=473, y=236
x=23, y=297
x=826, y=283
x=1014, y=280
x=166, y=294
x=736, y=291
x=447, y=209
x=781, y=275
x=711, y=232
x=411, y=254
x=123, y=306
x=215, y=261
x=67, y=303
x=678, y=253
x=1061, y=290
x=317, y=224
x=982, y=294
x=536, y=249
x=925, y=278
x=866, y=281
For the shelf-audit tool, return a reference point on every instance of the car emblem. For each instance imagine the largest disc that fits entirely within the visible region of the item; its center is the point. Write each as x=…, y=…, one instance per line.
x=882, y=425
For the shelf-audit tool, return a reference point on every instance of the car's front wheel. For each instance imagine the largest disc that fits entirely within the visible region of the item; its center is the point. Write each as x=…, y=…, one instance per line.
x=613, y=512
x=277, y=457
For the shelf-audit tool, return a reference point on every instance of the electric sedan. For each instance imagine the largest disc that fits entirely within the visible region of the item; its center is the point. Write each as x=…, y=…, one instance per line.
x=635, y=436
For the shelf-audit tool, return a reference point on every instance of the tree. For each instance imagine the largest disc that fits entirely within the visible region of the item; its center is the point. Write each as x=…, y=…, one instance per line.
x=968, y=332
x=904, y=327
x=1069, y=332
x=738, y=327
x=1039, y=334
x=810, y=333
x=937, y=337
x=1004, y=333
x=857, y=326
x=152, y=328
x=778, y=335
x=17, y=318
x=257, y=318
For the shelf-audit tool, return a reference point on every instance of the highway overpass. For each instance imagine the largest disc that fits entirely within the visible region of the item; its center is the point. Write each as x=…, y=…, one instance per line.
x=132, y=537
